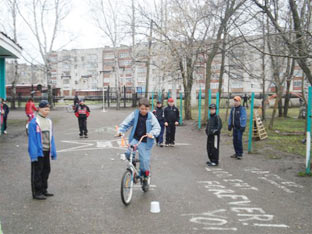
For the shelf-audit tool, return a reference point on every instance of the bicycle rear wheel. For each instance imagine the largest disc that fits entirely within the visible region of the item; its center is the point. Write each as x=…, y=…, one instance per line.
x=126, y=187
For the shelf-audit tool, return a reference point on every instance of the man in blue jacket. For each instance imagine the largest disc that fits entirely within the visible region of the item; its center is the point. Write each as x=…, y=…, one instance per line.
x=237, y=122
x=143, y=122
x=40, y=147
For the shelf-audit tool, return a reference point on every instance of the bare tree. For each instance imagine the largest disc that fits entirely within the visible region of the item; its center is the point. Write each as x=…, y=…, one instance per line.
x=12, y=6
x=300, y=48
x=107, y=15
x=44, y=20
x=225, y=10
x=183, y=33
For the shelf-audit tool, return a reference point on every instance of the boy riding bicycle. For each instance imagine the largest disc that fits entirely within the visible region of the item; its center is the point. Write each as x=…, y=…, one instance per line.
x=143, y=123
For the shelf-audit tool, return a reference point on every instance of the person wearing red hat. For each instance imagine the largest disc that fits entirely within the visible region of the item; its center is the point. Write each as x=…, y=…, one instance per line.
x=171, y=121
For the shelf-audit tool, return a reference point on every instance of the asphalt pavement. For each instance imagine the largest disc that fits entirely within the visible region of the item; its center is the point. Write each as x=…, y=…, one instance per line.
x=254, y=195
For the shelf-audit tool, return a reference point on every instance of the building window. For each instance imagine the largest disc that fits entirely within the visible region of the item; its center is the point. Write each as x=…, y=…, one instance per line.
x=297, y=83
x=109, y=55
x=236, y=84
x=124, y=63
x=123, y=55
x=214, y=85
x=65, y=81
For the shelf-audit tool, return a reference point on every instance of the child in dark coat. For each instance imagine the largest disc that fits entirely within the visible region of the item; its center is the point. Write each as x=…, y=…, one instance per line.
x=82, y=112
x=172, y=115
x=213, y=130
x=159, y=113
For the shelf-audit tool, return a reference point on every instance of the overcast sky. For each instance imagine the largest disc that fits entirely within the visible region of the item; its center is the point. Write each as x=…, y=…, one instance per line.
x=79, y=23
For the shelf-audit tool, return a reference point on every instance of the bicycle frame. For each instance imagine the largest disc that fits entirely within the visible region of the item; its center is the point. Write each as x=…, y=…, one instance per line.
x=133, y=153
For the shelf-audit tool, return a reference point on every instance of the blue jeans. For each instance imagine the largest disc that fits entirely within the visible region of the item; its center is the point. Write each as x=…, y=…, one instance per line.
x=144, y=155
x=238, y=141
x=160, y=138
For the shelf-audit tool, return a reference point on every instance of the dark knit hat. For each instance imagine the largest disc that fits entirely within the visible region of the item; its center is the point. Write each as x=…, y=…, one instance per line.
x=43, y=104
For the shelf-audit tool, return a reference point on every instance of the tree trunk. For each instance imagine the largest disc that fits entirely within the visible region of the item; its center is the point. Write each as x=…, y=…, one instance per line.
x=13, y=95
x=222, y=67
x=187, y=104
x=280, y=108
x=277, y=100
x=148, y=60
x=207, y=85
x=287, y=98
x=187, y=77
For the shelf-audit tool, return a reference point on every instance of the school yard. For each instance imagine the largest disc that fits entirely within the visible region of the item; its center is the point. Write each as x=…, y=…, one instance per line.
x=260, y=194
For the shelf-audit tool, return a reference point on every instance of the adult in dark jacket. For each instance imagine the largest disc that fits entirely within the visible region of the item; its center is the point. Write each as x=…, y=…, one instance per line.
x=245, y=102
x=237, y=122
x=82, y=112
x=171, y=114
x=76, y=100
x=159, y=113
x=213, y=130
x=5, y=113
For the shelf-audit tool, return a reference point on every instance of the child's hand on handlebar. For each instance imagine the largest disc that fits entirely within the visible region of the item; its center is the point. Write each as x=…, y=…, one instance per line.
x=150, y=135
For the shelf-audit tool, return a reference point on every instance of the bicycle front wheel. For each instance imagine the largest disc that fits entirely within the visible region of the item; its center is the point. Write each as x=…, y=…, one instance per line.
x=126, y=187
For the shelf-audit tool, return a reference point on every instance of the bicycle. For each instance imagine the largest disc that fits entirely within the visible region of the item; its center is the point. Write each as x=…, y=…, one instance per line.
x=133, y=176
x=70, y=108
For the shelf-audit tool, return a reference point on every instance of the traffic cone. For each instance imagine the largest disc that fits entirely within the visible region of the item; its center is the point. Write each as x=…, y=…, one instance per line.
x=123, y=142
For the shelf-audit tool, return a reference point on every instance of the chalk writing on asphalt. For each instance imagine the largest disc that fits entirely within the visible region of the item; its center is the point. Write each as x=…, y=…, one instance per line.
x=274, y=179
x=237, y=204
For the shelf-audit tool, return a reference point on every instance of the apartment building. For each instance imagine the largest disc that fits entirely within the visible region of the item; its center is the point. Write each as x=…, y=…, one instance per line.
x=26, y=74
x=77, y=69
x=100, y=68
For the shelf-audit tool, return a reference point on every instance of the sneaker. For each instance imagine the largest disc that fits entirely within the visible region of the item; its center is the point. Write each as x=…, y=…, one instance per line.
x=212, y=164
x=239, y=157
x=233, y=156
x=39, y=197
x=86, y=136
x=5, y=132
x=167, y=145
x=145, y=185
x=161, y=145
x=171, y=145
x=47, y=194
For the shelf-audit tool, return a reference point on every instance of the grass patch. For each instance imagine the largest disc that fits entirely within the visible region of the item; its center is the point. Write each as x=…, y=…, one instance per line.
x=304, y=174
x=278, y=141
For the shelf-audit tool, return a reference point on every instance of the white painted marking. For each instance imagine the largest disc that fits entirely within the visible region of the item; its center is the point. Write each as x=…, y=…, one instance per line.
x=270, y=225
x=104, y=144
x=82, y=145
x=220, y=228
x=308, y=148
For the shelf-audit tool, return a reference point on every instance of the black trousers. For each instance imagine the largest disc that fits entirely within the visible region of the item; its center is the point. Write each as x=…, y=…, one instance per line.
x=213, y=152
x=83, y=126
x=40, y=171
x=4, y=123
x=170, y=133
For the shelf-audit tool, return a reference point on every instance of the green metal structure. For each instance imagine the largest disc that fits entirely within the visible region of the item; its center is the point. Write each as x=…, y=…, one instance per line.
x=199, y=108
x=251, y=122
